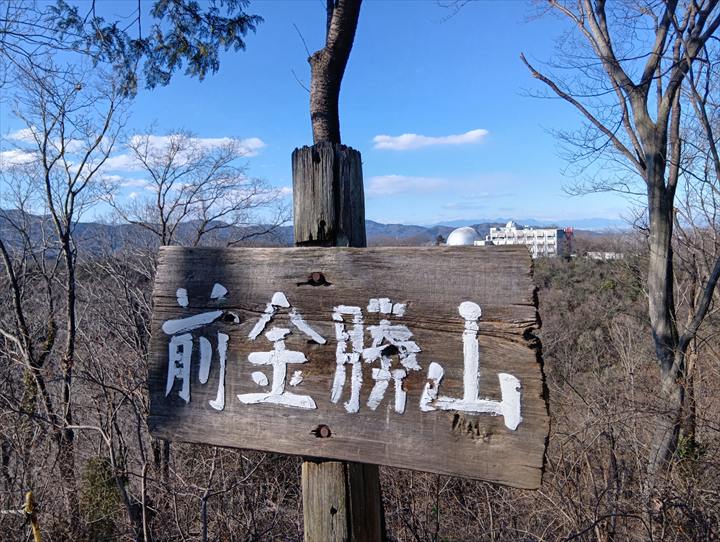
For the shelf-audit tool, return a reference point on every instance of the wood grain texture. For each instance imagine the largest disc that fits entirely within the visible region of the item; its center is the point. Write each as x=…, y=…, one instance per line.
x=333, y=493
x=329, y=202
x=329, y=210
x=433, y=281
x=325, y=506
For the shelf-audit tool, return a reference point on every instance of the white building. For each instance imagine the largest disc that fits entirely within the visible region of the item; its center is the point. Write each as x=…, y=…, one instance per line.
x=605, y=255
x=463, y=236
x=541, y=242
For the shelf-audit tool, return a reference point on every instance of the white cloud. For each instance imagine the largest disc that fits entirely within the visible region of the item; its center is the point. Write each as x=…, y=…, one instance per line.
x=416, y=141
x=17, y=157
x=121, y=162
x=128, y=182
x=385, y=185
x=135, y=183
x=114, y=178
x=127, y=162
x=74, y=145
x=250, y=146
x=25, y=135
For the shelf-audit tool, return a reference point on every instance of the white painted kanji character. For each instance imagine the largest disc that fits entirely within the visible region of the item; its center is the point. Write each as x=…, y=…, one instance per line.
x=352, y=358
x=181, y=346
x=387, y=340
x=279, y=358
x=508, y=407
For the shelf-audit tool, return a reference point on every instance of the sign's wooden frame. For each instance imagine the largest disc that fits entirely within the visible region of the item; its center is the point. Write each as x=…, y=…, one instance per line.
x=429, y=283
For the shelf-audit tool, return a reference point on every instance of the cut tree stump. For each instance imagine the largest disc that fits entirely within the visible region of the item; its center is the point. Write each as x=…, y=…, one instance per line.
x=328, y=198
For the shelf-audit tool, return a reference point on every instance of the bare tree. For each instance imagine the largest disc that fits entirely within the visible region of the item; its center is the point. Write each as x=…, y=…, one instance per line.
x=632, y=101
x=71, y=126
x=197, y=190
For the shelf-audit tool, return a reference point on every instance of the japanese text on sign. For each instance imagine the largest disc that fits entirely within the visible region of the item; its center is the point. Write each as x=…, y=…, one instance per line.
x=386, y=349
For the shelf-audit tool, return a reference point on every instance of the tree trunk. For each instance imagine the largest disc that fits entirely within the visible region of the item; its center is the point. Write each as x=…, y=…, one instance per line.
x=689, y=420
x=66, y=440
x=661, y=307
x=341, y=501
x=667, y=430
x=327, y=67
x=66, y=463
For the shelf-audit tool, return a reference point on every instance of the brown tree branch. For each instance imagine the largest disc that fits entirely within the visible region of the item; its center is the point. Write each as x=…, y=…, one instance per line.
x=580, y=107
x=328, y=68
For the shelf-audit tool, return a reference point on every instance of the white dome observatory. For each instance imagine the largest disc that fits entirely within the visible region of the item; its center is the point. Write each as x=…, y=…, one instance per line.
x=465, y=236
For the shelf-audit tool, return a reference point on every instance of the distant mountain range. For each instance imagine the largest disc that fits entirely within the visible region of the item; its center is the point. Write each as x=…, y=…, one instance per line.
x=592, y=224
x=95, y=236
x=385, y=234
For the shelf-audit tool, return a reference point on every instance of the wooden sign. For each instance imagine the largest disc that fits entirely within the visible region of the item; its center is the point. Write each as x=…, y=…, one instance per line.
x=420, y=358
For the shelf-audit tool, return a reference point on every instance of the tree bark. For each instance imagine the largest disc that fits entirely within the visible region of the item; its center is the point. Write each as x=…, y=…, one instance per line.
x=67, y=440
x=327, y=67
x=689, y=421
x=661, y=308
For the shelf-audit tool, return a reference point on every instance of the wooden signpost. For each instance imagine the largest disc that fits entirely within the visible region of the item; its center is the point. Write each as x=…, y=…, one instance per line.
x=419, y=358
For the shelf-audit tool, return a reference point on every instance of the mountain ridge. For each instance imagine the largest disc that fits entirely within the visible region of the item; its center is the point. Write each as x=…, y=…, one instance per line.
x=96, y=235
x=597, y=224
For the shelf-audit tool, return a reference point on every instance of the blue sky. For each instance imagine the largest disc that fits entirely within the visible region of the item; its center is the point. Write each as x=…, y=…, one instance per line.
x=481, y=150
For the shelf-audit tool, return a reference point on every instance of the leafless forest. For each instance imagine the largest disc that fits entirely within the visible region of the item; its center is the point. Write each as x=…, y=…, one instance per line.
x=101, y=476
x=631, y=356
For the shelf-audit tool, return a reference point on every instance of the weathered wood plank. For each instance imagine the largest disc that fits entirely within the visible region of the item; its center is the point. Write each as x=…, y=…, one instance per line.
x=432, y=282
